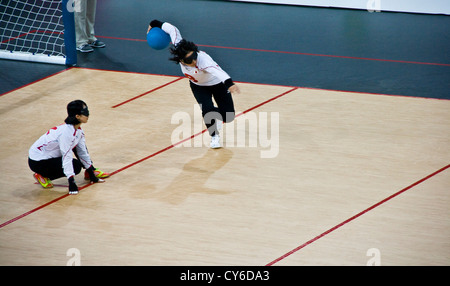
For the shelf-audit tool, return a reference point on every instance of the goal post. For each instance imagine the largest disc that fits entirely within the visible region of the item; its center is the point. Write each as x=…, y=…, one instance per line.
x=38, y=31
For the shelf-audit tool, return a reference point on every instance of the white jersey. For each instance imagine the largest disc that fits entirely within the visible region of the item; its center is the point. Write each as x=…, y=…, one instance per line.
x=59, y=142
x=206, y=72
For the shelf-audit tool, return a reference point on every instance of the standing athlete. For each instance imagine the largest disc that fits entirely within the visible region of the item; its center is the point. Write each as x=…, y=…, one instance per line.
x=206, y=78
x=51, y=156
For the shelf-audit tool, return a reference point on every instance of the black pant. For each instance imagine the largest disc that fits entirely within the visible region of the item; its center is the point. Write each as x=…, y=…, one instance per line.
x=52, y=168
x=225, y=106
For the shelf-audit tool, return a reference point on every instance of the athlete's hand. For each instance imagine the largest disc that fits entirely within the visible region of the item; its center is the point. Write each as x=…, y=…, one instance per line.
x=234, y=89
x=91, y=174
x=73, y=188
x=92, y=177
x=149, y=28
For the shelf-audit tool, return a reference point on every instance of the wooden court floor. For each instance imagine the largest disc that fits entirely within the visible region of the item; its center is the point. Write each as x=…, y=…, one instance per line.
x=305, y=177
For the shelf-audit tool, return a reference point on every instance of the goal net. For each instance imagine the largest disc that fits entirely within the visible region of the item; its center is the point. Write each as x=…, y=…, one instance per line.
x=38, y=31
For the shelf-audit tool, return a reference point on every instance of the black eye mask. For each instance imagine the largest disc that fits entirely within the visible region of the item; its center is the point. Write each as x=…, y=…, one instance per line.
x=85, y=111
x=190, y=59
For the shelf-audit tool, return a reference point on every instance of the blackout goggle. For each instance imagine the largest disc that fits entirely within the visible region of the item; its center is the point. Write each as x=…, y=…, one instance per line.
x=85, y=111
x=188, y=60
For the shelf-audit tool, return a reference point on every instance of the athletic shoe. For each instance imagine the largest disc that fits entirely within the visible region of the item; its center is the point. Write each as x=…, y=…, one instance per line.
x=99, y=174
x=97, y=44
x=45, y=182
x=215, y=142
x=85, y=48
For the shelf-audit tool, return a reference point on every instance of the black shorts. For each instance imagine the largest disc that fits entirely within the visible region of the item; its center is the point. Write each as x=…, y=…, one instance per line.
x=52, y=168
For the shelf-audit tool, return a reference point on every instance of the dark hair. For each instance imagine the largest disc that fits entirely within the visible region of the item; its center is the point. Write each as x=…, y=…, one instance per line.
x=74, y=108
x=180, y=50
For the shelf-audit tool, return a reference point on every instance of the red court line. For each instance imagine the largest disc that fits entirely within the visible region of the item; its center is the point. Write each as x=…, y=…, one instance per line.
x=330, y=56
x=31, y=32
x=150, y=91
x=40, y=207
x=14, y=38
x=357, y=215
x=267, y=101
x=295, y=53
x=137, y=162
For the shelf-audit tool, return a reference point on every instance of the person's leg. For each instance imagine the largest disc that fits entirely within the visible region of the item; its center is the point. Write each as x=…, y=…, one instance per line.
x=203, y=95
x=224, y=102
x=81, y=31
x=80, y=22
x=52, y=168
x=91, y=8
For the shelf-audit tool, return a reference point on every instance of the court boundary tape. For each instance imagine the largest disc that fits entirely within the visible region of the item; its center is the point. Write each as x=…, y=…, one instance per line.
x=356, y=216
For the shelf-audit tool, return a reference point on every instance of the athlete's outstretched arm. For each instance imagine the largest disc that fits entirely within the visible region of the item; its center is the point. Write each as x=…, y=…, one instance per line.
x=170, y=29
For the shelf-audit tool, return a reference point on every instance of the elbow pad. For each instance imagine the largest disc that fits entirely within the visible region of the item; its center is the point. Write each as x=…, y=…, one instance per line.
x=229, y=83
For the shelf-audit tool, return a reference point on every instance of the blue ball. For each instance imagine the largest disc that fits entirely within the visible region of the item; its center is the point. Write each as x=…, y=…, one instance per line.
x=158, y=39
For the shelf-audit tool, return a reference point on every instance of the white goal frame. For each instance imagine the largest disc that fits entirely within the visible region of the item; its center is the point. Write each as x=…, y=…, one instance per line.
x=38, y=31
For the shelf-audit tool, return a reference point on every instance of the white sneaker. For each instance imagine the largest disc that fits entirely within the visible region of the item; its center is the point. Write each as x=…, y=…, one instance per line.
x=85, y=48
x=215, y=142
